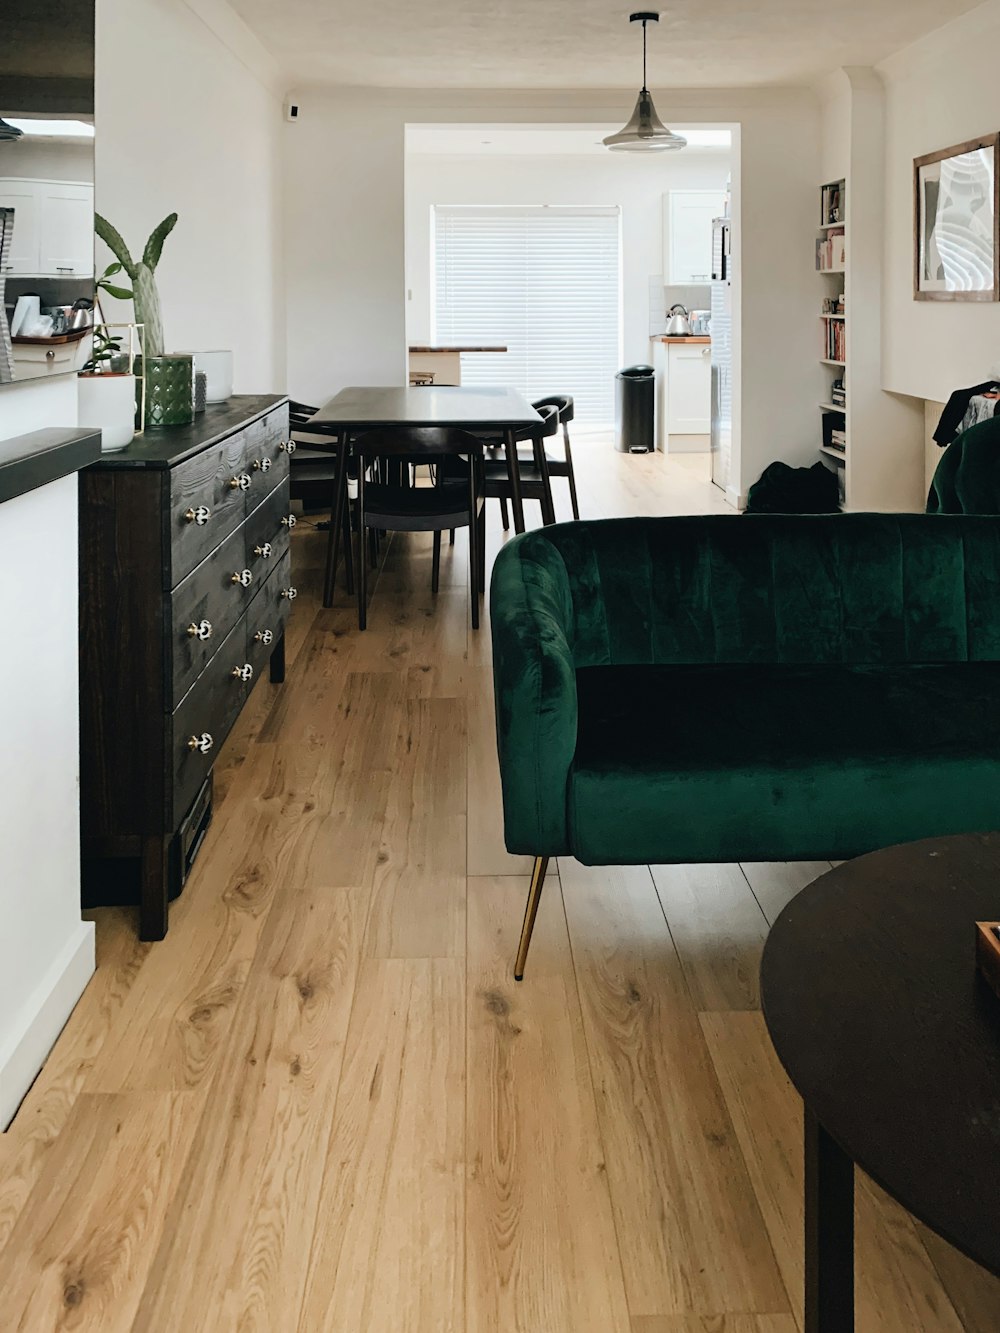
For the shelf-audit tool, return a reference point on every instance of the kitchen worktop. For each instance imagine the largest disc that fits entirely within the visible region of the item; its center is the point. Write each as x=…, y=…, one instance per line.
x=426, y=349
x=698, y=339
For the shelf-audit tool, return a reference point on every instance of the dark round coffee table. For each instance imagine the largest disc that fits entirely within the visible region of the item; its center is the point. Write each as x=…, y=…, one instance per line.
x=872, y=999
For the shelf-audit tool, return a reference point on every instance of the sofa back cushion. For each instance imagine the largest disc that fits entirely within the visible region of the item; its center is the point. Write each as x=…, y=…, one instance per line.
x=852, y=588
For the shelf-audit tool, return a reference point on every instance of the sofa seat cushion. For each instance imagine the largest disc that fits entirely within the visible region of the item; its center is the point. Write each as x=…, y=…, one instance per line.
x=742, y=763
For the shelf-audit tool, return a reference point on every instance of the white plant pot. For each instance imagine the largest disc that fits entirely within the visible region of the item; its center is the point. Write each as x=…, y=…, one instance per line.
x=108, y=402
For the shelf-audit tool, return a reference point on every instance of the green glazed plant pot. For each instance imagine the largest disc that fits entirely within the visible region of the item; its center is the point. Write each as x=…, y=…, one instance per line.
x=169, y=389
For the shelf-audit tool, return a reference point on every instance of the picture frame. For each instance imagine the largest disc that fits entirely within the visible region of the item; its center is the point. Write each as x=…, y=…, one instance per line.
x=956, y=222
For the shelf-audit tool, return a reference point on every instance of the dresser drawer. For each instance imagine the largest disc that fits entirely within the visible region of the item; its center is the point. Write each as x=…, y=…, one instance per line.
x=268, y=614
x=266, y=533
x=207, y=502
x=267, y=451
x=205, y=716
x=203, y=609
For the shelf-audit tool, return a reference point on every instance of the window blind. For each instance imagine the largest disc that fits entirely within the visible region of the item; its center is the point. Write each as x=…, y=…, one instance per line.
x=546, y=282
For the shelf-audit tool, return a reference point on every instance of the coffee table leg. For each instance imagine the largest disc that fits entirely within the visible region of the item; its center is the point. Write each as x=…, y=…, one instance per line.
x=829, y=1233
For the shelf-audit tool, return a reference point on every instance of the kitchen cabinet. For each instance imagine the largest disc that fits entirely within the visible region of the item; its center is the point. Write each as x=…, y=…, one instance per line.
x=53, y=228
x=689, y=389
x=687, y=234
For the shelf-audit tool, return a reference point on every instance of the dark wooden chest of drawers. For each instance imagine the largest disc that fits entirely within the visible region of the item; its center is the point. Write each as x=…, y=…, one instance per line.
x=186, y=587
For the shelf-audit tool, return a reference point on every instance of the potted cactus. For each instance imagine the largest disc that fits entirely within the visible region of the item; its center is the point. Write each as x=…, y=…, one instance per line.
x=169, y=398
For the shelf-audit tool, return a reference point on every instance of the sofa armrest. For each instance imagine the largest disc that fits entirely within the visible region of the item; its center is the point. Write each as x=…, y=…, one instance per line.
x=531, y=614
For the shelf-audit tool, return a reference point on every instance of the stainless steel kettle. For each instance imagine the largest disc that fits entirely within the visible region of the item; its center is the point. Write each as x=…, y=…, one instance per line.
x=678, y=323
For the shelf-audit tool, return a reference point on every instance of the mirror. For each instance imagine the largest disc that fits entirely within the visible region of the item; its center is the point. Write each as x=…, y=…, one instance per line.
x=46, y=187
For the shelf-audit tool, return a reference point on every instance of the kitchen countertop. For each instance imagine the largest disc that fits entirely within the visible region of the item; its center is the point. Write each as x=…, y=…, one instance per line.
x=427, y=351
x=30, y=461
x=698, y=339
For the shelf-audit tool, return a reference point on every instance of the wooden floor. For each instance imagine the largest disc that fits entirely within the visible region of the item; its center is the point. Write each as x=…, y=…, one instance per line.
x=322, y=1103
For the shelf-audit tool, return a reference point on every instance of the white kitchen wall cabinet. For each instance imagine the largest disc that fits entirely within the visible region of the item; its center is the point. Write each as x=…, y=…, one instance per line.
x=689, y=389
x=53, y=228
x=22, y=197
x=687, y=234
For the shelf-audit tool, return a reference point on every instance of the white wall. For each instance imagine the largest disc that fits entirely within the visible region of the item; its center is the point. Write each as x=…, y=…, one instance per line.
x=46, y=951
x=940, y=91
x=344, y=196
x=189, y=121
x=635, y=184
x=37, y=159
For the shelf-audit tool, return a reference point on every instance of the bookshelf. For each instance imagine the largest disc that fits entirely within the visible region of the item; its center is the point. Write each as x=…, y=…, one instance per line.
x=831, y=266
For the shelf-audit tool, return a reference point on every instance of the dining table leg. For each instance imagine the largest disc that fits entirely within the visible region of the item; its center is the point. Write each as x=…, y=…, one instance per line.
x=514, y=476
x=829, y=1233
x=336, y=521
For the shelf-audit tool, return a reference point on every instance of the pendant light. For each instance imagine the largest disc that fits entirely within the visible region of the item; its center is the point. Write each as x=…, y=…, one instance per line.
x=645, y=132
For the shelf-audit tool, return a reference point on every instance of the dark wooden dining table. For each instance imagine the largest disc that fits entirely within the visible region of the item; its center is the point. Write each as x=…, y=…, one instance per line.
x=499, y=411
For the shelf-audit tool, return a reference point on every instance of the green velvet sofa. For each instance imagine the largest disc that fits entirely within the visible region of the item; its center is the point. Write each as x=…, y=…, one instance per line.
x=764, y=687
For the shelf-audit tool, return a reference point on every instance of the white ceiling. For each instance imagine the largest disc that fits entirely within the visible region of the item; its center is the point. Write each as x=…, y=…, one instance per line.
x=548, y=140
x=582, y=43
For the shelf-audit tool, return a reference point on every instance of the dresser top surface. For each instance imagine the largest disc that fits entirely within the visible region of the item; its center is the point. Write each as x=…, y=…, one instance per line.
x=166, y=446
x=30, y=461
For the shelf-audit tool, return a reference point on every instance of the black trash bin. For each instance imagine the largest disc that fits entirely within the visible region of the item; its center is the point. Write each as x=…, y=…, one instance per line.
x=635, y=392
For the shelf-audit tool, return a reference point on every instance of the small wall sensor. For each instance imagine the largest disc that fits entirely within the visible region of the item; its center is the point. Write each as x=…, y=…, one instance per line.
x=291, y=111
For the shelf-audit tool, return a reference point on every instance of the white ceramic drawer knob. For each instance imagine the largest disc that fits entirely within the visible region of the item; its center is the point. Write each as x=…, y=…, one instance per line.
x=263, y=549
x=244, y=577
x=264, y=636
x=262, y=465
x=244, y=672
x=289, y=521
x=202, y=630
x=290, y=593
x=241, y=482
x=287, y=446
x=200, y=516
x=202, y=743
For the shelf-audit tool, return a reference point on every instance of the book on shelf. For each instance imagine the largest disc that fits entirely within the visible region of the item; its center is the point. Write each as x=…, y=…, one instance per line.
x=832, y=204
x=831, y=252
x=836, y=340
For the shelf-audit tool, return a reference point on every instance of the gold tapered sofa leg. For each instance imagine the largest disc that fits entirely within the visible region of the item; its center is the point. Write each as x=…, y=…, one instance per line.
x=530, y=912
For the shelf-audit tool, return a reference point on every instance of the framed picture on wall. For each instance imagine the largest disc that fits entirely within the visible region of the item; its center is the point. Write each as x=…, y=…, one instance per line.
x=956, y=214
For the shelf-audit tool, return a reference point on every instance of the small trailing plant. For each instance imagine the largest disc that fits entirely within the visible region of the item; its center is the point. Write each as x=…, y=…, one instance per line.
x=144, y=294
x=105, y=350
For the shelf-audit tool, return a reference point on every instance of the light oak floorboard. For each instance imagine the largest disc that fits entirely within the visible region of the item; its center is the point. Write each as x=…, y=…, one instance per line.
x=388, y=1254
x=542, y=1247
x=78, y=1256
x=487, y=853
x=718, y=930
x=775, y=883
x=691, y=1233
x=418, y=897
x=232, y=1254
x=42, y=1115
x=723, y=1323
x=897, y=1288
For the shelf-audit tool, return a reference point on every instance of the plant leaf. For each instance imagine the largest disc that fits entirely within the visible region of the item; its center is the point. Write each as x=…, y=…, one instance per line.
x=120, y=292
x=154, y=246
x=111, y=270
x=112, y=239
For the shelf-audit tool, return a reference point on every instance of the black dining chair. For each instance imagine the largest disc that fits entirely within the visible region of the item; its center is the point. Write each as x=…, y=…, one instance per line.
x=456, y=500
x=314, y=466
x=562, y=467
x=533, y=466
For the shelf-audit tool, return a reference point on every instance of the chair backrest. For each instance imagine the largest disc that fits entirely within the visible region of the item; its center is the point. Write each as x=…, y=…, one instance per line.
x=429, y=441
x=562, y=402
x=549, y=424
x=872, y=589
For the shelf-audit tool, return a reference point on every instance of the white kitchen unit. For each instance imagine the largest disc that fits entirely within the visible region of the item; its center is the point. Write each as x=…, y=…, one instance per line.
x=687, y=234
x=684, y=393
x=53, y=228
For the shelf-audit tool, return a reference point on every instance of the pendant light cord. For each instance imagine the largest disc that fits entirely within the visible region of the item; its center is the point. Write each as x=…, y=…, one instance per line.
x=644, y=88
